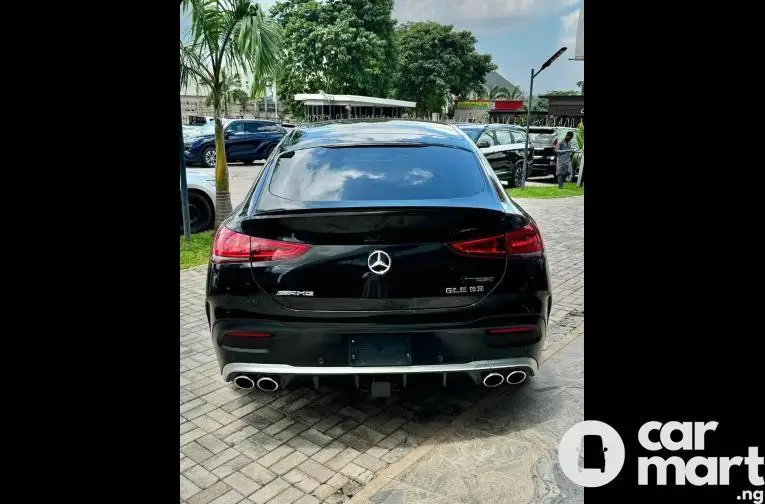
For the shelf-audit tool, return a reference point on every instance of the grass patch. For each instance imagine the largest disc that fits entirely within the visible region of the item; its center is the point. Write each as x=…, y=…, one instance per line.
x=546, y=192
x=197, y=251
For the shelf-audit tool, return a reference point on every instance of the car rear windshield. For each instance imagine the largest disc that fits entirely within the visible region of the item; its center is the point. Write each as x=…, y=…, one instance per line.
x=376, y=173
x=473, y=132
x=543, y=138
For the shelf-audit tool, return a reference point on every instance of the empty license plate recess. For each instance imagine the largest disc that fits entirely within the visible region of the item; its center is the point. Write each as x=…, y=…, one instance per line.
x=380, y=350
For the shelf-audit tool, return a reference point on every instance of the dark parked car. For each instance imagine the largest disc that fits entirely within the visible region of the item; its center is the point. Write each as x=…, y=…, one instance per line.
x=503, y=146
x=246, y=140
x=545, y=157
x=377, y=250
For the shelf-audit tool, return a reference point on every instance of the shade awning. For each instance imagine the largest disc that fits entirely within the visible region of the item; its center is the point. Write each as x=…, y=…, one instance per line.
x=351, y=100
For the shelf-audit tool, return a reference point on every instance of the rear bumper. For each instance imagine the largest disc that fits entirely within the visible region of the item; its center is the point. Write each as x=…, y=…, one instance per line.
x=323, y=349
x=521, y=363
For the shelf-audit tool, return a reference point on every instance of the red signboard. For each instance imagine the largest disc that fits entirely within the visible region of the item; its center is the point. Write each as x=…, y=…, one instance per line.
x=507, y=105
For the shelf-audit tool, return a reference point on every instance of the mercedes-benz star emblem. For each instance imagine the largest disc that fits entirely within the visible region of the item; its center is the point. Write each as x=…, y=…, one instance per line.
x=379, y=262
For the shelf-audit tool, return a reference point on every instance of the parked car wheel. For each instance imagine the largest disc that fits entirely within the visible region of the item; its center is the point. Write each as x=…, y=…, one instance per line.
x=201, y=213
x=208, y=157
x=517, y=175
x=268, y=152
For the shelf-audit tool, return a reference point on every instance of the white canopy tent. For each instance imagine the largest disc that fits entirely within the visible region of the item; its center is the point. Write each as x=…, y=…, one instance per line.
x=321, y=106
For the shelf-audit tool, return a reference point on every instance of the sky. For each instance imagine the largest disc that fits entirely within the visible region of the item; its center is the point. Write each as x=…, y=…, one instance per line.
x=519, y=34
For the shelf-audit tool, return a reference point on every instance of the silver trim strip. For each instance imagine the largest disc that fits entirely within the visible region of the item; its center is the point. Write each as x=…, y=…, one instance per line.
x=236, y=368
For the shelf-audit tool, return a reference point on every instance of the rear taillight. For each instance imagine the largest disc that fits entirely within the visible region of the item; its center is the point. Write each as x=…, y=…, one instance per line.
x=232, y=247
x=271, y=250
x=493, y=246
x=525, y=240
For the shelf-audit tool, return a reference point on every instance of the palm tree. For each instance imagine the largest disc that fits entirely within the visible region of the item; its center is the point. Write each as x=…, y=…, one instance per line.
x=502, y=92
x=229, y=37
x=231, y=92
x=580, y=85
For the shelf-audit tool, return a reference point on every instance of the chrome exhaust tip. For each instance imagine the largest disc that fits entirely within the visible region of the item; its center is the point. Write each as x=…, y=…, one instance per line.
x=244, y=382
x=268, y=384
x=492, y=380
x=516, y=377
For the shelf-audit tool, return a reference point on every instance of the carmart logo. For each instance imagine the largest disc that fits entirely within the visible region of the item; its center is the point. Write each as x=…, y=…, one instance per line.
x=591, y=453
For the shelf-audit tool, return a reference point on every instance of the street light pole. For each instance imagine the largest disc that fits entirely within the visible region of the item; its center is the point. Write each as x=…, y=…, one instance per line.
x=528, y=123
x=528, y=111
x=184, y=186
x=184, y=192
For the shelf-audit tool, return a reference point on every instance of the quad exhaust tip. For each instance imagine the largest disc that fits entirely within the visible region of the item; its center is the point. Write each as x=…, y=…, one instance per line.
x=492, y=380
x=244, y=382
x=268, y=384
x=516, y=377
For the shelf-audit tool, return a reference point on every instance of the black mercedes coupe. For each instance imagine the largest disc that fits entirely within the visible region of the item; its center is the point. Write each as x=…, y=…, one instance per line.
x=377, y=250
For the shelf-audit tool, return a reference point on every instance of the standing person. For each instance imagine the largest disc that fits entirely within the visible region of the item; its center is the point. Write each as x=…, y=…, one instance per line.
x=564, y=150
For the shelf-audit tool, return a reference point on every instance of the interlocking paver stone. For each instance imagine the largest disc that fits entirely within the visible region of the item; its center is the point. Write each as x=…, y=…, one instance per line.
x=307, y=499
x=275, y=456
x=200, y=476
x=196, y=452
x=316, y=470
x=220, y=458
x=303, y=445
x=316, y=437
x=369, y=462
x=269, y=491
x=231, y=466
x=288, y=462
x=188, y=488
x=212, y=443
x=208, y=495
x=307, y=485
x=230, y=497
x=328, y=452
x=258, y=473
x=288, y=496
x=323, y=491
x=242, y=483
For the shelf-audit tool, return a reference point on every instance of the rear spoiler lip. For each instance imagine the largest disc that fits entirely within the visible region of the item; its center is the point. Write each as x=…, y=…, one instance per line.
x=366, y=209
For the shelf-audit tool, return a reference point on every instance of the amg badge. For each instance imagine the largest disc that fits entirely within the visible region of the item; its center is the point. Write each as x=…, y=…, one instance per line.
x=294, y=293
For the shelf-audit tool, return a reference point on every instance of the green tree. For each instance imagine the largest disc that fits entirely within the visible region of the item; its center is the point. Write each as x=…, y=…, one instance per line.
x=580, y=85
x=335, y=46
x=539, y=104
x=228, y=38
x=562, y=92
x=502, y=92
x=435, y=61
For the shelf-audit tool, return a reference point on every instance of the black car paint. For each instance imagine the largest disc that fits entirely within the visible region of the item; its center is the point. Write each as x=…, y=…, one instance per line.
x=409, y=299
x=545, y=157
x=242, y=144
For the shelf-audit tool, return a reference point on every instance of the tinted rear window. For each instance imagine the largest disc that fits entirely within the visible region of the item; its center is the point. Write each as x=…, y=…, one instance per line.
x=473, y=133
x=376, y=173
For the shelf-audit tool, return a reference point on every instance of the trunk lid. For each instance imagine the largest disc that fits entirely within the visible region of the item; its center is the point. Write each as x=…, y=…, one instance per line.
x=373, y=259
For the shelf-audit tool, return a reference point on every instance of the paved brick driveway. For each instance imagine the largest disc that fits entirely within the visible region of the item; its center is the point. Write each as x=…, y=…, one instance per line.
x=309, y=446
